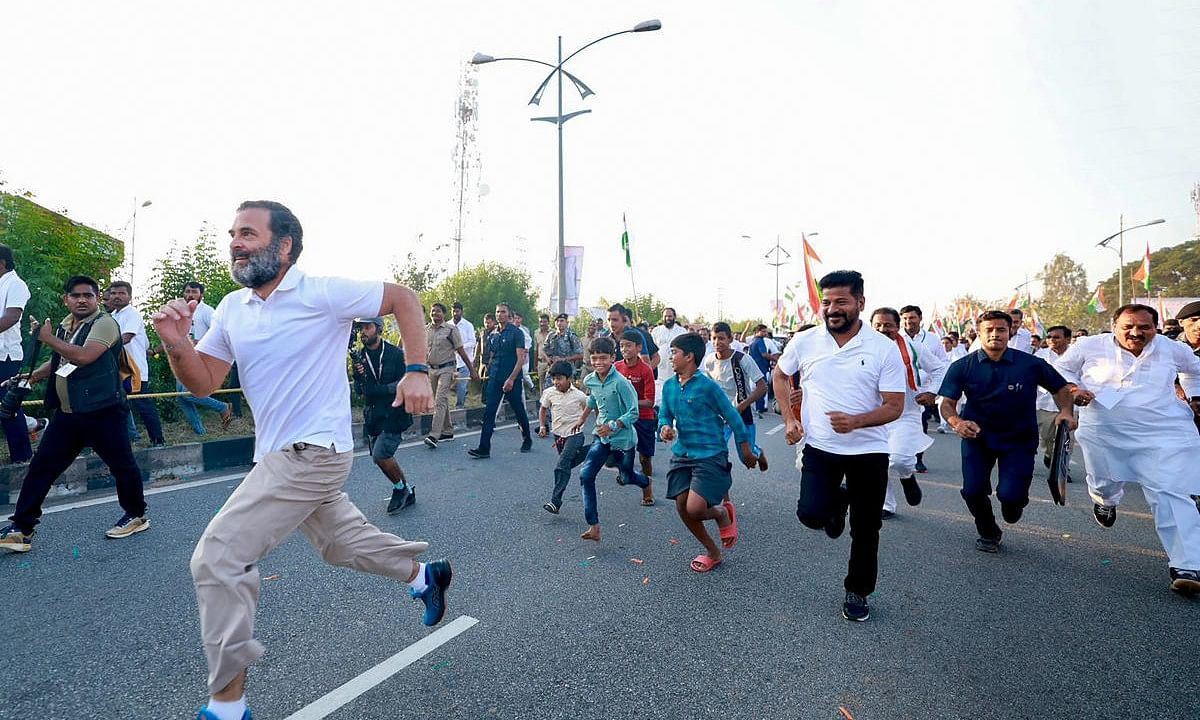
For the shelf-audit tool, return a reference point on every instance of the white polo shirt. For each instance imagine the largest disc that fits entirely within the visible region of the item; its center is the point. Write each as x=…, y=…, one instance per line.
x=467, y=332
x=131, y=321
x=14, y=293
x=201, y=320
x=845, y=379
x=291, y=355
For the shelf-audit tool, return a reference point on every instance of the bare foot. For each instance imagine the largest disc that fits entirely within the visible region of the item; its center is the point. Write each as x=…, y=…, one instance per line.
x=593, y=533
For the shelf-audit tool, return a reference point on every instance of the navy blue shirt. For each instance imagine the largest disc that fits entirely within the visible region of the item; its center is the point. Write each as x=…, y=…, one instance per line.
x=758, y=349
x=1001, y=395
x=503, y=345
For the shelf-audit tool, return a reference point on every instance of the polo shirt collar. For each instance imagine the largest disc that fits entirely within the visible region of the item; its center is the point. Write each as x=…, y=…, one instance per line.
x=852, y=342
x=1007, y=357
x=290, y=280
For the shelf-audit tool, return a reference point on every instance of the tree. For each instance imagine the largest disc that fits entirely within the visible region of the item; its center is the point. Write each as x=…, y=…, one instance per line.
x=415, y=275
x=1175, y=270
x=1065, y=293
x=199, y=261
x=482, y=287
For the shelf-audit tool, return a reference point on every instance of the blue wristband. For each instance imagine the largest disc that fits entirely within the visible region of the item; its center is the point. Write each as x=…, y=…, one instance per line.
x=417, y=367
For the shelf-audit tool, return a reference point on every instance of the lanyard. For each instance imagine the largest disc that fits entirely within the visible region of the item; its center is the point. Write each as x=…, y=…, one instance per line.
x=367, y=356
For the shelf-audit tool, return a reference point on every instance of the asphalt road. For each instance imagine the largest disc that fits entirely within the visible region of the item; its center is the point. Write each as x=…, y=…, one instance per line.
x=1069, y=621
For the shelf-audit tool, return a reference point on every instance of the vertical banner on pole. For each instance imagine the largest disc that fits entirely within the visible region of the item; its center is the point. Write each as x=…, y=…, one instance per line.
x=573, y=259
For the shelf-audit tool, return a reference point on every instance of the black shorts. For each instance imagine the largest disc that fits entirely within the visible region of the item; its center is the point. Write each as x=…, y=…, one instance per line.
x=707, y=477
x=645, y=428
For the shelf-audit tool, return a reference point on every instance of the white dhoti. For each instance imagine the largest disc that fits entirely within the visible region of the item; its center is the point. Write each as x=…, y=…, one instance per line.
x=1163, y=464
x=905, y=440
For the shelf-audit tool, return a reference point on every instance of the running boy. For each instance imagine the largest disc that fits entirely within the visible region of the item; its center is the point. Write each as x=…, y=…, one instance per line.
x=693, y=413
x=567, y=407
x=616, y=406
x=637, y=371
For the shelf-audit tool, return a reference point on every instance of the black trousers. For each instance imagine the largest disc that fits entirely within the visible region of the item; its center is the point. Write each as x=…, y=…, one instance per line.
x=493, y=393
x=147, y=411
x=822, y=498
x=106, y=432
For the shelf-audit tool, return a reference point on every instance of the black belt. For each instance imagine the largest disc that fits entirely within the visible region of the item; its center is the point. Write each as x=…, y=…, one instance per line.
x=443, y=366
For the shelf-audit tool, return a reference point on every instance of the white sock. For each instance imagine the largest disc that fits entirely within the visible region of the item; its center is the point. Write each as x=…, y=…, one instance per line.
x=227, y=710
x=418, y=583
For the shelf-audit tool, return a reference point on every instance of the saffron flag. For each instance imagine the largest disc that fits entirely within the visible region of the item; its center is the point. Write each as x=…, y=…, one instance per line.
x=1142, y=274
x=1096, y=304
x=814, y=292
x=1016, y=300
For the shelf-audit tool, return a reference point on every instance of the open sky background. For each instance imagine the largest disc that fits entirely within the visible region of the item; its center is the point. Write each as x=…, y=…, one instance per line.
x=938, y=147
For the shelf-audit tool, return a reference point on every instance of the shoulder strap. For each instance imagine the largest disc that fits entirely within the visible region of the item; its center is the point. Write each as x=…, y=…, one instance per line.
x=739, y=376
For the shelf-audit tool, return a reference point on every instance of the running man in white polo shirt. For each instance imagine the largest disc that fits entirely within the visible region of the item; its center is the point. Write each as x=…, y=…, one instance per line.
x=853, y=381
x=287, y=332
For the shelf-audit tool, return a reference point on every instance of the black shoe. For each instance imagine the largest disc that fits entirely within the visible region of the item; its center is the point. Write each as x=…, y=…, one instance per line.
x=987, y=545
x=399, y=496
x=1106, y=515
x=836, y=525
x=412, y=496
x=1185, y=582
x=430, y=442
x=437, y=580
x=912, y=491
x=921, y=467
x=445, y=437
x=1195, y=499
x=480, y=454
x=1011, y=513
x=856, y=608
x=550, y=507
x=527, y=445
x=886, y=514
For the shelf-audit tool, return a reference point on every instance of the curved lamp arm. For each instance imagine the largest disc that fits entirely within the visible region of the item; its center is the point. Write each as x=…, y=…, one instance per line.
x=644, y=26
x=580, y=86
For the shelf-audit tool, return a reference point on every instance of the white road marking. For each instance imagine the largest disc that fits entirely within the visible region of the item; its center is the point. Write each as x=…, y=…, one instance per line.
x=339, y=697
x=776, y=429
x=219, y=479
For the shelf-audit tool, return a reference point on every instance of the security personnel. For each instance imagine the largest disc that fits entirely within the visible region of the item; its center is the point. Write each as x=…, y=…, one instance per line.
x=377, y=371
x=90, y=410
x=507, y=348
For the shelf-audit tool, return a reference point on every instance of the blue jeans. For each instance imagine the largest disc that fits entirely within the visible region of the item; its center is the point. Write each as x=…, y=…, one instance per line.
x=15, y=431
x=591, y=468
x=464, y=375
x=147, y=411
x=190, y=403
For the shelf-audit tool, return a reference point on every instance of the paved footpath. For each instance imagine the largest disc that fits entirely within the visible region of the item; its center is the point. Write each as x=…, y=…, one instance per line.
x=1069, y=621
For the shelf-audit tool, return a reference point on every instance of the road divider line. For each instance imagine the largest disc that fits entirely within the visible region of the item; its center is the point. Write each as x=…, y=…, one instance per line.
x=63, y=507
x=341, y=696
x=776, y=429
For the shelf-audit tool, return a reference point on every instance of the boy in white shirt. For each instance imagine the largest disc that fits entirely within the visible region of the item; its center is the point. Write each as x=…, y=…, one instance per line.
x=567, y=407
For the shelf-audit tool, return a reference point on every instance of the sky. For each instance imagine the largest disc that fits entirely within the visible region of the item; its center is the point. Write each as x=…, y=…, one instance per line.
x=937, y=147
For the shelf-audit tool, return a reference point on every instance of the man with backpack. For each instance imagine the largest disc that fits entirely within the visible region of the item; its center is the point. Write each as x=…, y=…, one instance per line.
x=740, y=377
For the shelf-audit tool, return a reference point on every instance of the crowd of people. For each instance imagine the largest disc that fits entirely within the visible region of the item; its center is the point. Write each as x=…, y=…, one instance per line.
x=858, y=393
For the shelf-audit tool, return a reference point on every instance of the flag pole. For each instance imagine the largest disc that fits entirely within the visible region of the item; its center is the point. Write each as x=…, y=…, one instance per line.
x=629, y=259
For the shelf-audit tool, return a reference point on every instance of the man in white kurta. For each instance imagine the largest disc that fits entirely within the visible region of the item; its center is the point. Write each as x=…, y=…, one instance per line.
x=924, y=371
x=1133, y=428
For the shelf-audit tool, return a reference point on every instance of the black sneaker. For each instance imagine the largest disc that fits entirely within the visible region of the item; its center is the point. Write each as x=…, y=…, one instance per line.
x=437, y=580
x=1185, y=582
x=527, y=445
x=480, y=454
x=886, y=514
x=836, y=525
x=1195, y=498
x=449, y=436
x=1106, y=515
x=920, y=467
x=856, y=608
x=912, y=491
x=398, y=497
x=431, y=442
x=987, y=545
x=411, y=499
x=550, y=507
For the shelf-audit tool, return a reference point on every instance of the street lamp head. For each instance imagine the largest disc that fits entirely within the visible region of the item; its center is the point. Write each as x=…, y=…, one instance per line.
x=481, y=59
x=148, y=203
x=648, y=26
x=1156, y=222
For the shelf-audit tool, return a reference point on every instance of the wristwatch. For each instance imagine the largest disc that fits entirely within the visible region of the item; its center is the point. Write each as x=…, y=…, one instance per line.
x=417, y=368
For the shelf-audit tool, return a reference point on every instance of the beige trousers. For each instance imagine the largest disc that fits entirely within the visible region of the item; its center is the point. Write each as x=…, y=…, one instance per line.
x=285, y=490
x=444, y=382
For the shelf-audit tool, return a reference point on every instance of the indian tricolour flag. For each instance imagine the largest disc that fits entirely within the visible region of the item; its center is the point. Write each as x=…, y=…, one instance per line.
x=1142, y=274
x=1096, y=304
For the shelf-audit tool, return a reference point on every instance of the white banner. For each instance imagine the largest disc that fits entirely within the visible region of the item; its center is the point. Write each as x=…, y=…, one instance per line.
x=574, y=261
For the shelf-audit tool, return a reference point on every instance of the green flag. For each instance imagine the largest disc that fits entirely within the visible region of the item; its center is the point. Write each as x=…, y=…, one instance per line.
x=625, y=247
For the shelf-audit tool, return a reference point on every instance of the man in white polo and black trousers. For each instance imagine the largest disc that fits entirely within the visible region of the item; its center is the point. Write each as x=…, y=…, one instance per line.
x=854, y=383
x=287, y=332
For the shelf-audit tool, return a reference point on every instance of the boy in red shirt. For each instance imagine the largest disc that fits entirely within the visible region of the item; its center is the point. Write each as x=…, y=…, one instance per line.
x=639, y=374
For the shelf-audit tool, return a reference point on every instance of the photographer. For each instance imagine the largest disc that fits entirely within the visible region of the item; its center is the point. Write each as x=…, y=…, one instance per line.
x=90, y=409
x=378, y=367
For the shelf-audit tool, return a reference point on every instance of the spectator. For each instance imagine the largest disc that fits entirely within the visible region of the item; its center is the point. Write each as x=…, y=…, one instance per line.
x=14, y=294
x=201, y=321
x=133, y=334
x=466, y=331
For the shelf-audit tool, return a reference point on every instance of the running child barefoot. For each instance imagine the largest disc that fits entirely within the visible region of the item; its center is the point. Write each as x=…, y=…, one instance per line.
x=693, y=413
x=568, y=407
x=616, y=405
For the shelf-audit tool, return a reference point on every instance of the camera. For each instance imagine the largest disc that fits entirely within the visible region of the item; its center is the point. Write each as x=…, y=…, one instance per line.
x=16, y=391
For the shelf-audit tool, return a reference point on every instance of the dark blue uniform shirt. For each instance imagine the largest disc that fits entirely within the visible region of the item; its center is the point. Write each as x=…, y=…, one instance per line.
x=503, y=345
x=1001, y=395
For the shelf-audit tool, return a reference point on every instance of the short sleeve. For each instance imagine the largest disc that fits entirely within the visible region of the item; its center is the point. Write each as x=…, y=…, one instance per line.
x=455, y=338
x=106, y=333
x=18, y=295
x=789, y=362
x=751, y=370
x=546, y=397
x=131, y=322
x=892, y=374
x=952, y=384
x=215, y=342
x=348, y=299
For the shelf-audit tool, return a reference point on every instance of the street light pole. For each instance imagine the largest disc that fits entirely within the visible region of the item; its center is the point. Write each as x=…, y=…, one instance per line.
x=133, y=236
x=559, y=119
x=1120, y=251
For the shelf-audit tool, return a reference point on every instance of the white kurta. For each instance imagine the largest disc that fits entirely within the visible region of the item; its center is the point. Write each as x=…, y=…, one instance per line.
x=905, y=436
x=1137, y=430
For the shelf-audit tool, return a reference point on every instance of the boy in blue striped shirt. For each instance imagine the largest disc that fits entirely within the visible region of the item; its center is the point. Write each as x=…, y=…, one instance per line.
x=693, y=412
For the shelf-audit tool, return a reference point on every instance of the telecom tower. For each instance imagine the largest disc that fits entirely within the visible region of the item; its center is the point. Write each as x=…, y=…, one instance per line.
x=466, y=157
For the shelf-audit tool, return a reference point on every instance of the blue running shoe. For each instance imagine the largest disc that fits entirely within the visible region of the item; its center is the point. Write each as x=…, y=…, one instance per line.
x=204, y=714
x=437, y=580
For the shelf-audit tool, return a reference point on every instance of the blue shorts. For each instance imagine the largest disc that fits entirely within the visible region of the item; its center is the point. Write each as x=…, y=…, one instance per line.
x=646, y=429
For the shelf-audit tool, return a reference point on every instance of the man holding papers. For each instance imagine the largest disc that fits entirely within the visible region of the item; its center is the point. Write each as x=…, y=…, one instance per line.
x=1133, y=428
